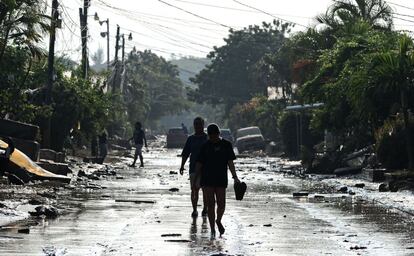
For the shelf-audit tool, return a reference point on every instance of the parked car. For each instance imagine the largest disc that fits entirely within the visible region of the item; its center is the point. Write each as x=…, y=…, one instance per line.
x=176, y=137
x=249, y=138
x=226, y=134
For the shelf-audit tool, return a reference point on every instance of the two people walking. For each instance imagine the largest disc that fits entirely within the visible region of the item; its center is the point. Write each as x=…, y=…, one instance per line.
x=209, y=166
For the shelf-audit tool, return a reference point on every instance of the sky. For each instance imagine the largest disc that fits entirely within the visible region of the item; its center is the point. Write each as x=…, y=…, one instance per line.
x=175, y=28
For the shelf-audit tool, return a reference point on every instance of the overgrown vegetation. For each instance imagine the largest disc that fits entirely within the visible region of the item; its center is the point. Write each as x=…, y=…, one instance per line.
x=353, y=62
x=80, y=108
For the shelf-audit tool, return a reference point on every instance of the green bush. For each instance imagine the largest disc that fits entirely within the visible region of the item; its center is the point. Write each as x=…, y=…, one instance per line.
x=391, y=144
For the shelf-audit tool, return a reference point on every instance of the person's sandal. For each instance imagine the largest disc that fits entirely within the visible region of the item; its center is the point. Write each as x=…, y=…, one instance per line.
x=220, y=228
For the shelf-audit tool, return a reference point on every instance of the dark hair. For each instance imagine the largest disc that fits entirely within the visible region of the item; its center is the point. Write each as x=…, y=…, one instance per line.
x=138, y=124
x=198, y=119
x=213, y=129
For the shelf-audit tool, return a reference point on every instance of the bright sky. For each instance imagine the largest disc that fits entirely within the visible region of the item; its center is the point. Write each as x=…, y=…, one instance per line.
x=167, y=30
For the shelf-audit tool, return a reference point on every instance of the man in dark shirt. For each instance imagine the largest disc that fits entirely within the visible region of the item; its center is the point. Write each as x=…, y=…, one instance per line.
x=216, y=155
x=191, y=149
x=139, y=139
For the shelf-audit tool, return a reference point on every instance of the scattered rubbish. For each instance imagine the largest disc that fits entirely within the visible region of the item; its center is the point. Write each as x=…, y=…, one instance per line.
x=352, y=193
x=343, y=190
x=300, y=194
x=178, y=241
x=14, y=180
x=119, y=177
x=383, y=188
x=22, y=161
x=134, y=201
x=360, y=185
x=319, y=197
x=358, y=247
x=47, y=211
x=374, y=175
x=173, y=172
x=53, y=251
x=174, y=190
x=267, y=225
x=170, y=235
x=23, y=231
x=35, y=201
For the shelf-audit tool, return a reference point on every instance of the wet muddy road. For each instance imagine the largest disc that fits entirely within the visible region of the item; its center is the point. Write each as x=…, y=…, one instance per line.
x=137, y=214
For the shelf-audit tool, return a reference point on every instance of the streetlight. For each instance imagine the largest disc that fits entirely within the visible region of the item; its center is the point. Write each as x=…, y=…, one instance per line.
x=123, y=45
x=105, y=34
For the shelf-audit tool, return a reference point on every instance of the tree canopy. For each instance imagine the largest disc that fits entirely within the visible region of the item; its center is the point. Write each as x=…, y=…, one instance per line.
x=232, y=76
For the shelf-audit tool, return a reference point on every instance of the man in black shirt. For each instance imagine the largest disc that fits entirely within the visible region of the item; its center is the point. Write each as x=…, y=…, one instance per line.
x=216, y=155
x=192, y=149
x=139, y=139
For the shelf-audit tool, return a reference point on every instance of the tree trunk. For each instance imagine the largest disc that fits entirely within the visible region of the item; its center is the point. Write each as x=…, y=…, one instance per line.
x=6, y=38
x=407, y=131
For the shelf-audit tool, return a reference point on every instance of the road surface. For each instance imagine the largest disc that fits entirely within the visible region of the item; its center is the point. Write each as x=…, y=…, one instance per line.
x=137, y=214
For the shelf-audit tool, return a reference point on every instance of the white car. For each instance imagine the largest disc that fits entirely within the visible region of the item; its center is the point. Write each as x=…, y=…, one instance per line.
x=249, y=138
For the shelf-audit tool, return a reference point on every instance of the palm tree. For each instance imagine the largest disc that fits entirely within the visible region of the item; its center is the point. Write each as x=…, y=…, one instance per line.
x=23, y=22
x=375, y=12
x=395, y=71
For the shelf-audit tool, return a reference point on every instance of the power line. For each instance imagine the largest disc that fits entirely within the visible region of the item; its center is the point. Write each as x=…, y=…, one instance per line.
x=194, y=14
x=169, y=42
x=184, y=22
x=275, y=17
x=156, y=49
x=237, y=9
x=402, y=6
x=404, y=15
x=187, y=21
x=407, y=20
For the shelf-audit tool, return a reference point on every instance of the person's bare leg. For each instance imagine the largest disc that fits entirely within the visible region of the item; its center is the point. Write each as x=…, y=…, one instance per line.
x=141, y=159
x=221, y=206
x=194, y=197
x=135, y=159
x=211, y=203
x=204, y=212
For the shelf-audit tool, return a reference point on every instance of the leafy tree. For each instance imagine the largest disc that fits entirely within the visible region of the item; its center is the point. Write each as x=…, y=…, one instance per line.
x=231, y=77
x=22, y=22
x=153, y=88
x=374, y=12
x=98, y=57
x=394, y=72
x=343, y=84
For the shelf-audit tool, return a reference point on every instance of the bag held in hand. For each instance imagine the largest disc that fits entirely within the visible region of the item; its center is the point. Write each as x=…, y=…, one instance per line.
x=239, y=189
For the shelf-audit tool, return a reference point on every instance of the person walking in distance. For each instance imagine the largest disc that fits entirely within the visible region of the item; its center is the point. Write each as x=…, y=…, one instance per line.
x=191, y=149
x=215, y=158
x=139, y=140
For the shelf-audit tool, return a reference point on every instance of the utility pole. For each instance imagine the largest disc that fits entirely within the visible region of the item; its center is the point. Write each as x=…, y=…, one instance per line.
x=107, y=45
x=83, y=15
x=117, y=43
x=46, y=136
x=123, y=49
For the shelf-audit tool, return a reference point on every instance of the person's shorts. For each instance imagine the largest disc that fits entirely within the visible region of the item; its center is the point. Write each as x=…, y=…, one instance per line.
x=193, y=180
x=138, y=149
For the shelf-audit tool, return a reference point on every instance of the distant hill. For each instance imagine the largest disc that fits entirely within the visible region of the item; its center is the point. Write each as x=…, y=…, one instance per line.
x=189, y=67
